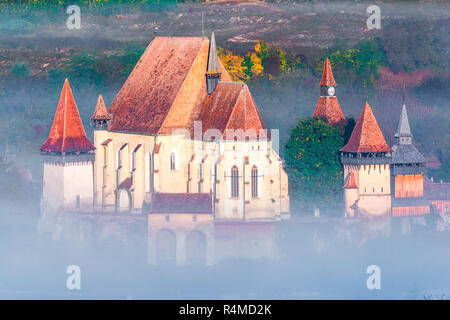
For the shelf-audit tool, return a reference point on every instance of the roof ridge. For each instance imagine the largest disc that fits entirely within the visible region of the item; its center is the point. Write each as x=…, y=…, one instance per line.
x=327, y=75
x=182, y=85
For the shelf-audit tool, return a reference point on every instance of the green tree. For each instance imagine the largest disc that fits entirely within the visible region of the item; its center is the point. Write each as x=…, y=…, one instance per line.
x=315, y=172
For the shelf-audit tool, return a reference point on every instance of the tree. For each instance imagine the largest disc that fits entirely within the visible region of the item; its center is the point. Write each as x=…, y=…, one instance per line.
x=232, y=63
x=315, y=172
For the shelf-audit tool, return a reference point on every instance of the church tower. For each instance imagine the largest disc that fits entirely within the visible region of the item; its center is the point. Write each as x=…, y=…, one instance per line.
x=328, y=107
x=366, y=159
x=213, y=74
x=408, y=166
x=67, y=156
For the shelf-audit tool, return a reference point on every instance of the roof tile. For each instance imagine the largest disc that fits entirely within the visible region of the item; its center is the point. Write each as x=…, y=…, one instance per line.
x=67, y=134
x=367, y=135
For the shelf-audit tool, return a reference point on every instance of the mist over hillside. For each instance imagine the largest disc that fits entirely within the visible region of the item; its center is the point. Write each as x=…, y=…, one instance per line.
x=278, y=49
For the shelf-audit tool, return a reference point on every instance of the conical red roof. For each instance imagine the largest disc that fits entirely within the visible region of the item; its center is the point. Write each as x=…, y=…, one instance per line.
x=67, y=134
x=100, y=112
x=328, y=108
x=351, y=182
x=367, y=135
x=327, y=75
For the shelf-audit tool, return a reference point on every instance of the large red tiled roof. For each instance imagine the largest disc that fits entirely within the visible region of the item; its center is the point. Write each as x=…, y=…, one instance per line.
x=328, y=108
x=100, y=112
x=230, y=107
x=181, y=203
x=67, y=134
x=164, y=88
x=327, y=75
x=367, y=135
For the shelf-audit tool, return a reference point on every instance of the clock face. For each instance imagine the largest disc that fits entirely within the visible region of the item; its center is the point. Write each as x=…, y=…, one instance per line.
x=331, y=91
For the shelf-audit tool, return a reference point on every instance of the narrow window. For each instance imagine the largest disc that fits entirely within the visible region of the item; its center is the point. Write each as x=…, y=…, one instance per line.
x=132, y=161
x=172, y=161
x=167, y=218
x=254, y=178
x=200, y=177
x=194, y=218
x=148, y=173
x=234, y=182
x=119, y=164
x=77, y=201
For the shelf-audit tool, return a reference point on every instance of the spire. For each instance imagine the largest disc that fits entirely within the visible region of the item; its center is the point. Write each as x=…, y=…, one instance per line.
x=100, y=118
x=67, y=134
x=213, y=59
x=366, y=136
x=404, y=150
x=100, y=110
x=328, y=107
x=327, y=75
x=213, y=74
x=403, y=129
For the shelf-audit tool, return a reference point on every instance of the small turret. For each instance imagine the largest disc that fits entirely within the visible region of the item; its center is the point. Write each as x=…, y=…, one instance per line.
x=213, y=74
x=328, y=107
x=100, y=118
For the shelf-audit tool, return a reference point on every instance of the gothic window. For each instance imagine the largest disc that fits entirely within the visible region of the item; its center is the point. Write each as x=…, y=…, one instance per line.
x=119, y=161
x=254, y=179
x=234, y=182
x=172, y=161
x=132, y=161
x=200, y=177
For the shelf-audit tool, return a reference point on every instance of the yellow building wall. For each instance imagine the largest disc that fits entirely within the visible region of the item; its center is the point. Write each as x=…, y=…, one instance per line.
x=374, y=189
x=190, y=156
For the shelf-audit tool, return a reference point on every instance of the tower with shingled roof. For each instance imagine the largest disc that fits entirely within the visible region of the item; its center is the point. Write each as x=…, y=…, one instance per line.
x=68, y=157
x=408, y=166
x=213, y=74
x=328, y=107
x=366, y=159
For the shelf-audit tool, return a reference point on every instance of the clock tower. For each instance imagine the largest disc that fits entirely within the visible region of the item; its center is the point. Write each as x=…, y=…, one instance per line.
x=328, y=107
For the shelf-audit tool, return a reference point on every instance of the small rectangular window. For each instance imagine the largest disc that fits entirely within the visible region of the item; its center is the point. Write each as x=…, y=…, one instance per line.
x=167, y=218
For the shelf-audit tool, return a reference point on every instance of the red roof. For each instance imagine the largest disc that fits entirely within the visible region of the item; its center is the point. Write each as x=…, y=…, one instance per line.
x=100, y=112
x=328, y=108
x=367, y=135
x=164, y=88
x=230, y=107
x=351, y=182
x=67, y=134
x=181, y=203
x=327, y=75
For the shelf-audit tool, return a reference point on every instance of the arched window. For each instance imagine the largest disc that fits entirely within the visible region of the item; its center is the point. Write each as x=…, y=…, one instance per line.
x=254, y=177
x=172, y=161
x=234, y=182
x=119, y=163
x=200, y=177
